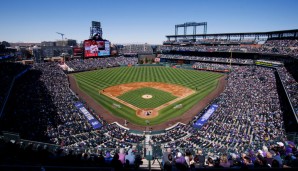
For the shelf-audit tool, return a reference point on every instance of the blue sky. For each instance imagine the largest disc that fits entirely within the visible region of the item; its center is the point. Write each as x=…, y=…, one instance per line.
x=139, y=21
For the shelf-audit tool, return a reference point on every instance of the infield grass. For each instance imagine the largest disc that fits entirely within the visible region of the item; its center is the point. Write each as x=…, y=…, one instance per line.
x=159, y=97
x=92, y=82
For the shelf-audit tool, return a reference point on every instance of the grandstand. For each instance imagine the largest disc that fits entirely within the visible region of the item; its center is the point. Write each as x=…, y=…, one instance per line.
x=258, y=109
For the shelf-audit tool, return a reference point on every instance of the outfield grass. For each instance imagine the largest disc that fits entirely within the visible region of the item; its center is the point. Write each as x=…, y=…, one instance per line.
x=92, y=81
x=159, y=97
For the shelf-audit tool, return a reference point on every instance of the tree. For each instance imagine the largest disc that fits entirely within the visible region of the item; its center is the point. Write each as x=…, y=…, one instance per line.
x=5, y=43
x=2, y=47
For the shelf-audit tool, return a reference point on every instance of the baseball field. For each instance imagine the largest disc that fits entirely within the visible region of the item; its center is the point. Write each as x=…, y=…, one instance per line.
x=141, y=94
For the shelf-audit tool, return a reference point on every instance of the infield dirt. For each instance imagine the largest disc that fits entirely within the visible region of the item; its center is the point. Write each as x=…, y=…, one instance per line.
x=185, y=118
x=179, y=91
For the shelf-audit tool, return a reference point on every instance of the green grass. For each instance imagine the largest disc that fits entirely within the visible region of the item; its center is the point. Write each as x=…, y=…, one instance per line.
x=159, y=97
x=92, y=81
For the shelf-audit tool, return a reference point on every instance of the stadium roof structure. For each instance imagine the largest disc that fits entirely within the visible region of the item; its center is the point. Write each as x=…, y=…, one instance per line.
x=256, y=35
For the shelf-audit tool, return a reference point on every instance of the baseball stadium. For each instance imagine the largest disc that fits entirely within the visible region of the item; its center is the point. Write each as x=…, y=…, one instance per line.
x=199, y=100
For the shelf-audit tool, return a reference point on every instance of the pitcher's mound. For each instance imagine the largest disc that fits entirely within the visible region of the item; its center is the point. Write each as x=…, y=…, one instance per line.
x=147, y=96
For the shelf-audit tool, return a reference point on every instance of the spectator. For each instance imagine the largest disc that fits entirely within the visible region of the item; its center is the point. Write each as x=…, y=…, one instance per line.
x=210, y=163
x=122, y=155
x=188, y=157
x=180, y=162
x=168, y=164
x=165, y=155
x=200, y=159
x=130, y=157
x=247, y=163
x=275, y=164
x=224, y=162
x=116, y=163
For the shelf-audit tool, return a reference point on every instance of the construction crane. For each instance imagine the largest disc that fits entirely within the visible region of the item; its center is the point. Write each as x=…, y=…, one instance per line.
x=60, y=34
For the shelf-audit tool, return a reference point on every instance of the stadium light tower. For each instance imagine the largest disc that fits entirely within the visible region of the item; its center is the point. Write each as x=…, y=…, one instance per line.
x=60, y=34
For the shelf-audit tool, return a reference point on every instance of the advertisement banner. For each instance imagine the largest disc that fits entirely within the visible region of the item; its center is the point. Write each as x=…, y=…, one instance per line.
x=5, y=57
x=93, y=121
x=200, y=122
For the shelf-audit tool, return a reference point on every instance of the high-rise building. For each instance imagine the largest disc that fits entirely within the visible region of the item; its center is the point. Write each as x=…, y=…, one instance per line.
x=37, y=54
x=54, y=51
x=45, y=43
x=66, y=42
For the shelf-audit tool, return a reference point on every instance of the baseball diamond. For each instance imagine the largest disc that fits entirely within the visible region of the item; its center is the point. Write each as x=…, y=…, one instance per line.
x=166, y=86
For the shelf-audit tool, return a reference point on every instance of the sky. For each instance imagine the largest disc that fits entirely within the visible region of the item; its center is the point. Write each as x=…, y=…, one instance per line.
x=139, y=21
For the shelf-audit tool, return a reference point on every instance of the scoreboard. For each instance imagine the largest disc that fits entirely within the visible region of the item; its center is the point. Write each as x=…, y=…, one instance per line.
x=77, y=52
x=96, y=48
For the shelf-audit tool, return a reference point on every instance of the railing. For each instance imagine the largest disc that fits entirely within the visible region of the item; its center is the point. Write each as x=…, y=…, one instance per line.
x=284, y=89
x=9, y=91
x=293, y=136
x=72, y=158
x=7, y=96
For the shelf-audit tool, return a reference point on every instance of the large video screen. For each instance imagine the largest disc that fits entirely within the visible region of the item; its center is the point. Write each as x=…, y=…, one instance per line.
x=95, y=48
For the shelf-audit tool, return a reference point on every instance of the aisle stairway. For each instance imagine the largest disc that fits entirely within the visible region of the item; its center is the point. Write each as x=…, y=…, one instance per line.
x=155, y=164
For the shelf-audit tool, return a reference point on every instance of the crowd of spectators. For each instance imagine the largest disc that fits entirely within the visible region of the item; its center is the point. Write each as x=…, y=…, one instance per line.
x=281, y=46
x=204, y=48
x=8, y=71
x=285, y=47
x=212, y=42
x=41, y=98
x=172, y=134
x=291, y=86
x=210, y=66
x=39, y=155
x=42, y=108
x=99, y=63
x=282, y=154
x=279, y=155
x=249, y=118
x=281, y=43
x=250, y=115
x=122, y=134
x=136, y=48
x=208, y=59
x=226, y=42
